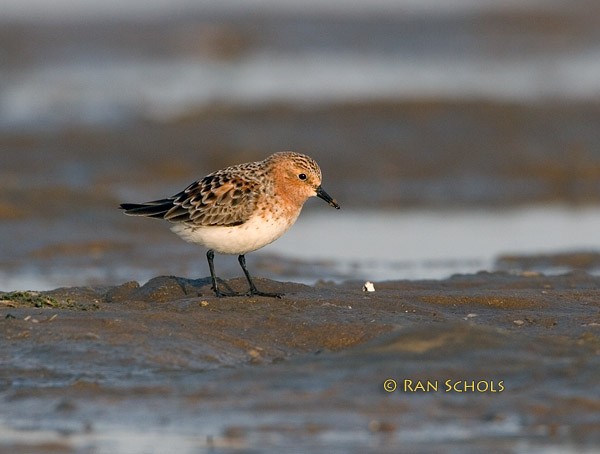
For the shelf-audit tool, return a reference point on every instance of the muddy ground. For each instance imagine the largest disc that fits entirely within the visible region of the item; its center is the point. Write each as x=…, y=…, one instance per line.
x=168, y=367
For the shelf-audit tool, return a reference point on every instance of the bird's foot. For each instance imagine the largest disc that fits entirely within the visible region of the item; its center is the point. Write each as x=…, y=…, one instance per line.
x=252, y=292
x=221, y=294
x=255, y=292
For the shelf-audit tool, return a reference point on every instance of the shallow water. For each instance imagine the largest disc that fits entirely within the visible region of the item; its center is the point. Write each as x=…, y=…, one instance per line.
x=449, y=124
x=326, y=245
x=423, y=244
x=96, y=64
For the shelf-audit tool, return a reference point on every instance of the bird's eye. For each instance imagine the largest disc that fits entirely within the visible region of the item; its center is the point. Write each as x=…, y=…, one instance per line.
x=302, y=176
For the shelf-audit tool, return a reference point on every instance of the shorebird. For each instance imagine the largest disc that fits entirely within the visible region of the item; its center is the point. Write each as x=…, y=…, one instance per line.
x=241, y=208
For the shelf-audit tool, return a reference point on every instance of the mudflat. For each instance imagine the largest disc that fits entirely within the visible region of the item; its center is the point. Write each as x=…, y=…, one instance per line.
x=477, y=363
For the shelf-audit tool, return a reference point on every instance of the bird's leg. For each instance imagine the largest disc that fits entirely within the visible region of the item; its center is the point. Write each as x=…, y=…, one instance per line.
x=210, y=255
x=253, y=290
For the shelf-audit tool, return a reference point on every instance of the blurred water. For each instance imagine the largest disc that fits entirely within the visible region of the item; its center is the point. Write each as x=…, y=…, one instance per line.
x=362, y=245
x=419, y=244
x=457, y=103
x=108, y=63
x=116, y=91
x=78, y=9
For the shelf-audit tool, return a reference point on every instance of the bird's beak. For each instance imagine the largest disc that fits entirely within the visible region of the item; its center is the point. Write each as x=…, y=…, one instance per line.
x=323, y=195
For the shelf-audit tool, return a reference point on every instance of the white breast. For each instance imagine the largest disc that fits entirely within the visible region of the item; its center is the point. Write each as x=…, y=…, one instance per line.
x=257, y=232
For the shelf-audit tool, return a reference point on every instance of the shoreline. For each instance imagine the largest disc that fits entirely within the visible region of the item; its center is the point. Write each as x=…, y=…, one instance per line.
x=427, y=244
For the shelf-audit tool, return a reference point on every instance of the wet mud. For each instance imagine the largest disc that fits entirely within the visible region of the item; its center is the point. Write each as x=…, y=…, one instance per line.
x=485, y=362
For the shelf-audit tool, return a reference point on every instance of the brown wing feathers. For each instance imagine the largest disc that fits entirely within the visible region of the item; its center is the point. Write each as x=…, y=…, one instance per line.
x=218, y=199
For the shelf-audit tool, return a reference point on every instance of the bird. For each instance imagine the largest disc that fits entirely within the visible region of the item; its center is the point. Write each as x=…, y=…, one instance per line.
x=241, y=208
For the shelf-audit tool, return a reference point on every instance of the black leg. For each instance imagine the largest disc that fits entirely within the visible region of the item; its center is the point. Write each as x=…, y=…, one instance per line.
x=210, y=255
x=253, y=290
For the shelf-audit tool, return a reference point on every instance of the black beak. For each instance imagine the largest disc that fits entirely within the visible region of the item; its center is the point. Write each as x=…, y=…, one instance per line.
x=323, y=195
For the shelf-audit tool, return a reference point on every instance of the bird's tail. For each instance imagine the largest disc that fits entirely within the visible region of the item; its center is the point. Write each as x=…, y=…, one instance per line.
x=154, y=209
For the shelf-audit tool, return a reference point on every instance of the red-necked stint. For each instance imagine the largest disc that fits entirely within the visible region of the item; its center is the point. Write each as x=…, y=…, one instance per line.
x=241, y=208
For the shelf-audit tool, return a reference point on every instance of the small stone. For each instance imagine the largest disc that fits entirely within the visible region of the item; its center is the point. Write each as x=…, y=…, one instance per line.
x=368, y=287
